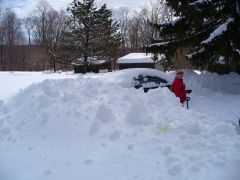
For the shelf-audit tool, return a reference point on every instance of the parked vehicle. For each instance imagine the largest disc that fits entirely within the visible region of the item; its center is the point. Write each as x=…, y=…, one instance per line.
x=148, y=82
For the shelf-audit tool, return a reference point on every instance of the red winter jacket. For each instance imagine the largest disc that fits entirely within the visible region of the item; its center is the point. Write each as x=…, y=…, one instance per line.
x=178, y=88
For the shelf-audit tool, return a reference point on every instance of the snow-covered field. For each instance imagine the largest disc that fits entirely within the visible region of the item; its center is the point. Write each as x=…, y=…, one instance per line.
x=13, y=82
x=99, y=127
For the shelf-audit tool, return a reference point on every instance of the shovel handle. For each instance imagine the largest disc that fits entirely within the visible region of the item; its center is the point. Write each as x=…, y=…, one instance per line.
x=188, y=99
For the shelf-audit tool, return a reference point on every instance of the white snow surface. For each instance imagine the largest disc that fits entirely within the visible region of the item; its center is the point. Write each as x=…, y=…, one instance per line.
x=238, y=7
x=218, y=31
x=160, y=44
x=13, y=82
x=201, y=2
x=238, y=51
x=99, y=127
x=133, y=58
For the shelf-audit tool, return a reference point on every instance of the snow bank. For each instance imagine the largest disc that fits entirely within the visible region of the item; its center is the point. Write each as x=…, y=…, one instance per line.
x=224, y=84
x=97, y=128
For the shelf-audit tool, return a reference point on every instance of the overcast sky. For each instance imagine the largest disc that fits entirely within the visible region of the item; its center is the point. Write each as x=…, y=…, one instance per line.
x=24, y=7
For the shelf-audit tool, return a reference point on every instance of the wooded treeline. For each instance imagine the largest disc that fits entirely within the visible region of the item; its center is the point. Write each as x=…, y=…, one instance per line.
x=36, y=36
x=204, y=34
x=38, y=42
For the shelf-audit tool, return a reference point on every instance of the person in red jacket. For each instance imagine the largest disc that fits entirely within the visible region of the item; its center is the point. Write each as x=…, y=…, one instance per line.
x=178, y=87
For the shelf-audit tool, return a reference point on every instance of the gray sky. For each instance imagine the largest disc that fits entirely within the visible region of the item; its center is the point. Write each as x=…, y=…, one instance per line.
x=25, y=7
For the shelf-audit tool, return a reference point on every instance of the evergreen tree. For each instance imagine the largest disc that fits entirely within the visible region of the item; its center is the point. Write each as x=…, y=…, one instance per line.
x=66, y=50
x=210, y=28
x=92, y=31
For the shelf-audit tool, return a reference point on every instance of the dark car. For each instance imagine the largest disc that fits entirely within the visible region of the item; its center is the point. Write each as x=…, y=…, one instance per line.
x=148, y=82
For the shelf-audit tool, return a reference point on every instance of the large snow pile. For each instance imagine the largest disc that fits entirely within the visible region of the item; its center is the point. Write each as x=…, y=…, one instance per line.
x=92, y=128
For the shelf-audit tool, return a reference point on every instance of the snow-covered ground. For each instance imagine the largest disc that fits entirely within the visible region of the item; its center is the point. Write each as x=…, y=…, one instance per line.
x=215, y=95
x=98, y=127
x=13, y=82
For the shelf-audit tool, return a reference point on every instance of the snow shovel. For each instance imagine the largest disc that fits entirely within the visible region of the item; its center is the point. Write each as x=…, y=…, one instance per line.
x=187, y=100
x=167, y=86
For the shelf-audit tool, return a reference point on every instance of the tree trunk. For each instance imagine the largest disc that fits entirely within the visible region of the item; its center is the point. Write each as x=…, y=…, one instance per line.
x=86, y=52
x=2, y=68
x=54, y=63
x=29, y=39
x=85, y=64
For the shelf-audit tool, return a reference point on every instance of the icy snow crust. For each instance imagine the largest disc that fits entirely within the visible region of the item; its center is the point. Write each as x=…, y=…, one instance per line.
x=97, y=127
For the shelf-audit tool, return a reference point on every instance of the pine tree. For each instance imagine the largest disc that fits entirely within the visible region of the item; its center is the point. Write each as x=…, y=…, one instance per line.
x=66, y=50
x=210, y=28
x=92, y=31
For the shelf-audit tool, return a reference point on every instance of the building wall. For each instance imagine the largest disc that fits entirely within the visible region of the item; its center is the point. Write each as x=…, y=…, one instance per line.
x=96, y=68
x=140, y=65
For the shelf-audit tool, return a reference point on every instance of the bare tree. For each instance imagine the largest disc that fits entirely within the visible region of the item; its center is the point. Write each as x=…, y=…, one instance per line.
x=28, y=25
x=133, y=31
x=136, y=26
x=145, y=30
x=123, y=16
x=48, y=27
x=2, y=33
x=13, y=34
x=12, y=23
x=40, y=21
x=56, y=26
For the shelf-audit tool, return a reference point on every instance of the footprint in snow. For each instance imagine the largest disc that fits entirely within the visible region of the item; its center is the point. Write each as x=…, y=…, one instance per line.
x=4, y=132
x=171, y=160
x=90, y=161
x=167, y=150
x=115, y=135
x=48, y=173
x=175, y=169
x=194, y=168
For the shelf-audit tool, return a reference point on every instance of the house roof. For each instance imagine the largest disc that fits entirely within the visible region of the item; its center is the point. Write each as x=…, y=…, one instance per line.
x=136, y=58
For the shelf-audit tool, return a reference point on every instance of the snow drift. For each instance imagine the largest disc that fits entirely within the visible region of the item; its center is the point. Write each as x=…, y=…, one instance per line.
x=101, y=128
x=206, y=81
